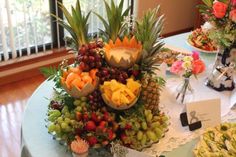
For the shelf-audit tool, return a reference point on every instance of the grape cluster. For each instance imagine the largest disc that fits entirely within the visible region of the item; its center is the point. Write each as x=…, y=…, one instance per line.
x=62, y=123
x=107, y=74
x=89, y=57
x=55, y=105
x=138, y=133
x=95, y=100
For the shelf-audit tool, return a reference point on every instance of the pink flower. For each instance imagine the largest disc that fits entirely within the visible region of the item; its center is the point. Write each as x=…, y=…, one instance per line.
x=176, y=67
x=232, y=15
x=198, y=67
x=233, y=2
x=219, y=9
x=195, y=55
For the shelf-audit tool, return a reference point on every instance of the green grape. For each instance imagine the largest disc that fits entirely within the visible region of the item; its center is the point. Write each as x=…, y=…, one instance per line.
x=77, y=102
x=73, y=122
x=156, y=118
x=83, y=104
x=54, y=115
x=64, y=125
x=78, y=109
x=64, y=110
x=57, y=128
x=67, y=120
x=59, y=119
x=149, y=117
x=139, y=135
x=146, y=112
x=158, y=132
x=151, y=135
x=155, y=124
x=72, y=115
x=51, y=128
x=84, y=99
x=130, y=132
x=144, y=125
x=144, y=139
x=165, y=118
x=67, y=115
x=136, y=125
x=68, y=129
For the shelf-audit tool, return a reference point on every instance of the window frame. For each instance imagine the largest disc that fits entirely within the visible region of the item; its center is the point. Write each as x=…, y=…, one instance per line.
x=57, y=41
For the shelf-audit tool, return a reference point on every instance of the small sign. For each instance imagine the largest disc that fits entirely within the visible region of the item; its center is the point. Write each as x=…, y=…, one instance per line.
x=207, y=111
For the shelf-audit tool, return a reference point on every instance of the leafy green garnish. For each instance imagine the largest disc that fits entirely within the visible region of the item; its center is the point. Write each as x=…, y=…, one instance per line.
x=49, y=72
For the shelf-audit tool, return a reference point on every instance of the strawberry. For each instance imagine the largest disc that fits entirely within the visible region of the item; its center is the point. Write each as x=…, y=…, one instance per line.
x=90, y=126
x=104, y=143
x=85, y=116
x=111, y=135
x=103, y=124
x=92, y=140
x=128, y=126
x=106, y=116
x=95, y=117
x=123, y=137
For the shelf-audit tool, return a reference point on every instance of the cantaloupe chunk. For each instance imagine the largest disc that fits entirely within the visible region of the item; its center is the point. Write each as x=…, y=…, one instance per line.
x=93, y=73
x=75, y=70
x=76, y=82
x=87, y=79
x=70, y=78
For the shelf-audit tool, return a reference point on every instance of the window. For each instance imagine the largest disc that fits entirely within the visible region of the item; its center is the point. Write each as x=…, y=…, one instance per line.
x=26, y=26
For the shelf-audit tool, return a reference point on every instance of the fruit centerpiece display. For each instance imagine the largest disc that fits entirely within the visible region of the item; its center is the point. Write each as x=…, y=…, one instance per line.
x=110, y=93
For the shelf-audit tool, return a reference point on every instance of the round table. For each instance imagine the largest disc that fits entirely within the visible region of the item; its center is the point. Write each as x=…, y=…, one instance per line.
x=36, y=141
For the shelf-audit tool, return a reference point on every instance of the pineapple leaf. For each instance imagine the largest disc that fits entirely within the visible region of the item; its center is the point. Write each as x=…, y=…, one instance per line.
x=148, y=31
x=115, y=17
x=77, y=24
x=49, y=72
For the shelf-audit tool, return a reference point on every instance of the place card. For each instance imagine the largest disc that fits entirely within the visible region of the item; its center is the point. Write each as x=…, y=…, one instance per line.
x=206, y=111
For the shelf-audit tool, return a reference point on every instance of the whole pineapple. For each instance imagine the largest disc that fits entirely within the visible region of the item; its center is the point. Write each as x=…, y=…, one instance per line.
x=148, y=31
x=150, y=93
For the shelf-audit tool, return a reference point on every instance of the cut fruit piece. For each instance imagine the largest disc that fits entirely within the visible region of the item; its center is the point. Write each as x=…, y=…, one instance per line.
x=120, y=96
x=77, y=83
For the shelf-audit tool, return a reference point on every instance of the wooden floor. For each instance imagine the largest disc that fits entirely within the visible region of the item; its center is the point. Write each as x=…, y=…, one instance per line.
x=13, y=99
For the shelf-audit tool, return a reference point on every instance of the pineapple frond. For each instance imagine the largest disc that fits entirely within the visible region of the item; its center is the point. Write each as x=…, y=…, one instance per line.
x=148, y=31
x=115, y=17
x=76, y=23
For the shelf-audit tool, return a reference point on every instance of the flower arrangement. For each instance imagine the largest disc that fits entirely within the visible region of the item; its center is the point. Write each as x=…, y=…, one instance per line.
x=186, y=66
x=104, y=95
x=222, y=16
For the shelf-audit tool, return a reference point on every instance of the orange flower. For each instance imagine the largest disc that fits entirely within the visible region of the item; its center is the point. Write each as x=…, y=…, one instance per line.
x=219, y=9
x=198, y=67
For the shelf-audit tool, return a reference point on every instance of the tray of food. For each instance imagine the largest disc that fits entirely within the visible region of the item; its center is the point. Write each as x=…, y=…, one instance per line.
x=199, y=40
x=169, y=54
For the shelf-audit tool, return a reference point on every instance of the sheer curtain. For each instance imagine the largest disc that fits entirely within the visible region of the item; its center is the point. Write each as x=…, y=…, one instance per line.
x=26, y=27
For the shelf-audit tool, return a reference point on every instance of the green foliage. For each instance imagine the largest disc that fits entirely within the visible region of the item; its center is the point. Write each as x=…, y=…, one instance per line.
x=76, y=25
x=209, y=3
x=64, y=98
x=148, y=31
x=52, y=73
x=49, y=72
x=115, y=16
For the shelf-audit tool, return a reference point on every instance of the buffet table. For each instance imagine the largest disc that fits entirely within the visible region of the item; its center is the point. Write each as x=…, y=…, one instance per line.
x=36, y=141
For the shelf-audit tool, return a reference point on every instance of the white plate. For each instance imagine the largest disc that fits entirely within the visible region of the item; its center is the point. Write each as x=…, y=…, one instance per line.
x=201, y=50
x=178, y=49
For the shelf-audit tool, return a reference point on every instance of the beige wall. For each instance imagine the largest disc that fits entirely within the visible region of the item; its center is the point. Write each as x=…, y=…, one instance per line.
x=179, y=14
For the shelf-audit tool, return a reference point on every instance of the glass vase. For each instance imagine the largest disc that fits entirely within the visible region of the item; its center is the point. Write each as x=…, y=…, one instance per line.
x=221, y=77
x=184, y=91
